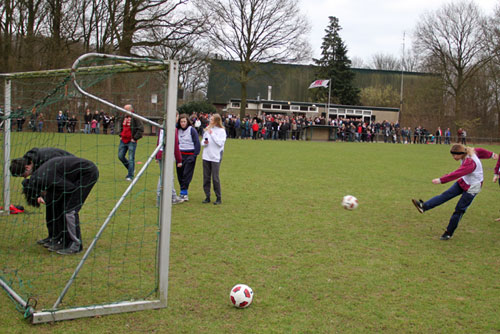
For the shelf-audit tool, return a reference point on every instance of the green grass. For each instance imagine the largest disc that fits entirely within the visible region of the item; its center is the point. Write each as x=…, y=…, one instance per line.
x=314, y=267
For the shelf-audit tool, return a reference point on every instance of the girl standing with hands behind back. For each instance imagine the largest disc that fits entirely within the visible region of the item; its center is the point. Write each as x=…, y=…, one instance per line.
x=189, y=145
x=213, y=141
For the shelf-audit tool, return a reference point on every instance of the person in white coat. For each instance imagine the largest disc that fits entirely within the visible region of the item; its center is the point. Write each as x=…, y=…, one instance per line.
x=213, y=142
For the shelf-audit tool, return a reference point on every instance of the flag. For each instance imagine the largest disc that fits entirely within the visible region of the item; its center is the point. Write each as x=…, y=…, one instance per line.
x=319, y=83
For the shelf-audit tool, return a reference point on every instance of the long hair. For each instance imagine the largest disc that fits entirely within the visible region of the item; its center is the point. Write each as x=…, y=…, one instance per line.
x=462, y=149
x=187, y=119
x=217, y=121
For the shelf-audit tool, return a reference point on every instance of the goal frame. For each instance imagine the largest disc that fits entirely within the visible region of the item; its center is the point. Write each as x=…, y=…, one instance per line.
x=127, y=64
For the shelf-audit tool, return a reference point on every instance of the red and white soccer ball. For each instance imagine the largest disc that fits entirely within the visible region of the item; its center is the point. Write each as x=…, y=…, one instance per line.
x=241, y=295
x=349, y=202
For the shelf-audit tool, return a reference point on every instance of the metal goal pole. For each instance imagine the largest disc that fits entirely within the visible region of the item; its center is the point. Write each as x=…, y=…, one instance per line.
x=6, y=147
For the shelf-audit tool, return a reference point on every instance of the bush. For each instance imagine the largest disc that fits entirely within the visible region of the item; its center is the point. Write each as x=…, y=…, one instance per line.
x=197, y=106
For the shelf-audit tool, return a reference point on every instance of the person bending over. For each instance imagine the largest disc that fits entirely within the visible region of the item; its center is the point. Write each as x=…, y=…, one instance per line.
x=62, y=184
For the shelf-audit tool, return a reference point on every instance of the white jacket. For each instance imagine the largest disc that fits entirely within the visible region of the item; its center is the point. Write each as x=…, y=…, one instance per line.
x=212, y=150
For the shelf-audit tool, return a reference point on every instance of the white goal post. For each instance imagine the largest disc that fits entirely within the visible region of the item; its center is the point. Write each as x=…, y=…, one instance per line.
x=169, y=119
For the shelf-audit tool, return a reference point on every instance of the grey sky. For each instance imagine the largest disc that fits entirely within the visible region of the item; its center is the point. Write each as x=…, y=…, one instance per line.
x=372, y=26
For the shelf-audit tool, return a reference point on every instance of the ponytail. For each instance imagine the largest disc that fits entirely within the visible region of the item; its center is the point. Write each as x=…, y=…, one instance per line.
x=459, y=149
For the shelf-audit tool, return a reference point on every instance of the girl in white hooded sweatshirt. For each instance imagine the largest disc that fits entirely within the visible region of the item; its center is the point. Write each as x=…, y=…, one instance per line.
x=213, y=142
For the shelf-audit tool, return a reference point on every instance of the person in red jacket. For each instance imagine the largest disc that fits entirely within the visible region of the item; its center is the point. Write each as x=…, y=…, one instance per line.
x=130, y=130
x=470, y=180
x=255, y=129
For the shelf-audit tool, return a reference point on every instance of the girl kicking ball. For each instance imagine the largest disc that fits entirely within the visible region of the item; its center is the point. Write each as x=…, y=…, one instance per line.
x=470, y=180
x=496, y=178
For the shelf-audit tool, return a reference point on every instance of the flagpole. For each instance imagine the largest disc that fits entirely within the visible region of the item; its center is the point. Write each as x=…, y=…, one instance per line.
x=402, y=76
x=328, y=106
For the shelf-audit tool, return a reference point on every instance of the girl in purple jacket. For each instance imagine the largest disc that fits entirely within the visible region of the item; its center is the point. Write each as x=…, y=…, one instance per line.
x=470, y=180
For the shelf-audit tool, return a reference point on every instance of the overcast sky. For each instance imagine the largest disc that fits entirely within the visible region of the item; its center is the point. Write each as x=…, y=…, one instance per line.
x=372, y=26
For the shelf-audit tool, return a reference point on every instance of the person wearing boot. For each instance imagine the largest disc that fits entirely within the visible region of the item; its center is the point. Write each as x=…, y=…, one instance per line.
x=62, y=184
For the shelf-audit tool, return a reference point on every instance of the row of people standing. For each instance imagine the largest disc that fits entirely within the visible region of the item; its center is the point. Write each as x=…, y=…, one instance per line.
x=35, y=123
x=92, y=122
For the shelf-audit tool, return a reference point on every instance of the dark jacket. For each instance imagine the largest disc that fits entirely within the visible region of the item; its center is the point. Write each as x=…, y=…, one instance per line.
x=135, y=126
x=57, y=176
x=43, y=154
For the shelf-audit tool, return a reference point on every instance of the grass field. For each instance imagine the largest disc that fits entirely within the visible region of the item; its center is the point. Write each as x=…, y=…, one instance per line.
x=314, y=267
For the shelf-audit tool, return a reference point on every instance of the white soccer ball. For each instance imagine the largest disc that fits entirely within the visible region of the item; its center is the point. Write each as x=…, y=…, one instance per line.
x=241, y=295
x=349, y=202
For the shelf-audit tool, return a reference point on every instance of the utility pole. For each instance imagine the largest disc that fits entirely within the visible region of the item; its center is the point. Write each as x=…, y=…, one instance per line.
x=402, y=76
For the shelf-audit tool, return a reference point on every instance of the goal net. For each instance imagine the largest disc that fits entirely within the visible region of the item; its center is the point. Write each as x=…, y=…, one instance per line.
x=125, y=224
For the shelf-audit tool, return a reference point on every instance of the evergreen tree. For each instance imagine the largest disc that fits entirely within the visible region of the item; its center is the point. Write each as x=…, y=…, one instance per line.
x=336, y=66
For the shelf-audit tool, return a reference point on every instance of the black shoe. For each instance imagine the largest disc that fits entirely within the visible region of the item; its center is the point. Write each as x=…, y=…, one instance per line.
x=56, y=246
x=73, y=248
x=43, y=241
x=51, y=242
x=218, y=201
x=206, y=200
x=445, y=236
x=419, y=205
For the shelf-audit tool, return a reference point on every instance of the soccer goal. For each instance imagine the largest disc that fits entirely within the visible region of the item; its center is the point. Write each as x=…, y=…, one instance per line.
x=125, y=225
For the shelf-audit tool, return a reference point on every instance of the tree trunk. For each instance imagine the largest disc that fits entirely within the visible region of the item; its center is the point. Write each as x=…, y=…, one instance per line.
x=243, y=105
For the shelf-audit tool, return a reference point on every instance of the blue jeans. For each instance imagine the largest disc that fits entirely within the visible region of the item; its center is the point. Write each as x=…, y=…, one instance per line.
x=87, y=128
x=130, y=163
x=463, y=203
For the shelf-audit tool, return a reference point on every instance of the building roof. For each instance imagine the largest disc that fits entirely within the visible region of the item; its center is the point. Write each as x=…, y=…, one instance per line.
x=288, y=81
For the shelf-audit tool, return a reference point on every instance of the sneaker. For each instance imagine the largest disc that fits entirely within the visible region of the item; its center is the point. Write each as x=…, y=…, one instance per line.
x=129, y=179
x=43, y=241
x=218, y=201
x=73, y=248
x=184, y=198
x=419, y=205
x=177, y=200
x=51, y=242
x=56, y=247
x=206, y=200
x=445, y=236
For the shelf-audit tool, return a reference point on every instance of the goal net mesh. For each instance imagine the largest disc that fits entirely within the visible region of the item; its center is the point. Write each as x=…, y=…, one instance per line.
x=123, y=264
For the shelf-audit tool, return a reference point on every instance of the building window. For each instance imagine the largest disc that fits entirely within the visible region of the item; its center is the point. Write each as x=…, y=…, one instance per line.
x=304, y=108
x=295, y=108
x=285, y=107
x=275, y=106
x=235, y=104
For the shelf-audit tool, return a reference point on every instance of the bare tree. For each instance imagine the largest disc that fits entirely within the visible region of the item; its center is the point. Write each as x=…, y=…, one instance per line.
x=411, y=61
x=141, y=18
x=252, y=31
x=7, y=19
x=493, y=68
x=381, y=61
x=358, y=62
x=193, y=65
x=452, y=41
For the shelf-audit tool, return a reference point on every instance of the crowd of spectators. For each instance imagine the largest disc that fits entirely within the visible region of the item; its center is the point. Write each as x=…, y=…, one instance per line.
x=269, y=127
x=286, y=127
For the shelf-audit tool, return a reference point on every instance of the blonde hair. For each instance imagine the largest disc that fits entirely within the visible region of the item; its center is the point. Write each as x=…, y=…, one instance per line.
x=462, y=149
x=217, y=121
